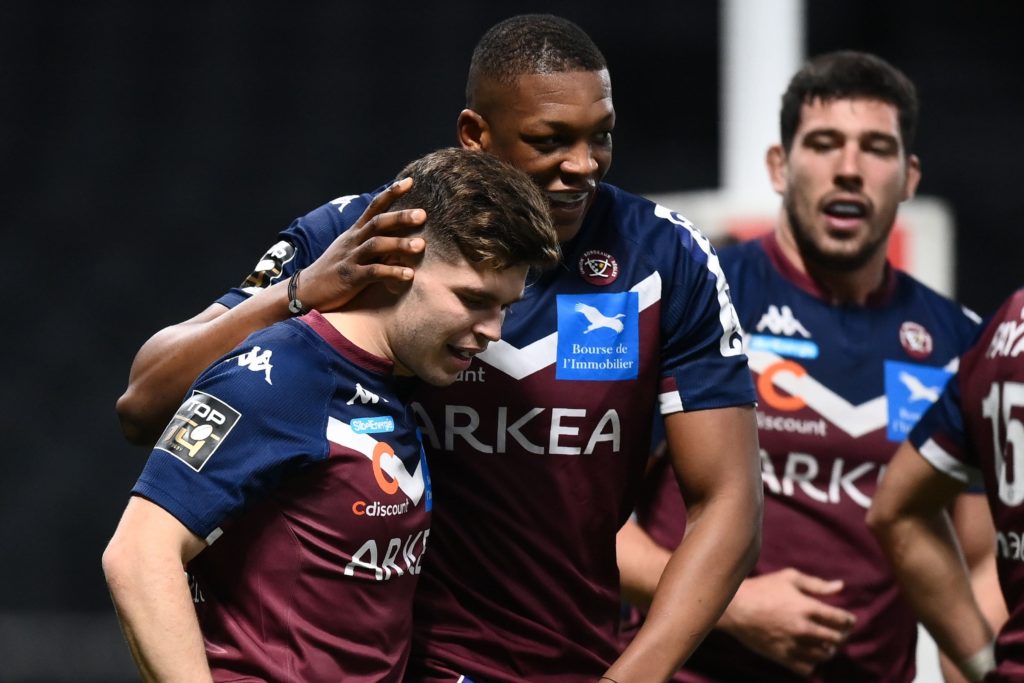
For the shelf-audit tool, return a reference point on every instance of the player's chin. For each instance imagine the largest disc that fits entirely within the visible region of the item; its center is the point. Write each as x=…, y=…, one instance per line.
x=439, y=380
x=441, y=374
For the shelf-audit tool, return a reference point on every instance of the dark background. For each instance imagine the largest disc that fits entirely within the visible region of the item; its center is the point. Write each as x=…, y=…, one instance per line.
x=150, y=152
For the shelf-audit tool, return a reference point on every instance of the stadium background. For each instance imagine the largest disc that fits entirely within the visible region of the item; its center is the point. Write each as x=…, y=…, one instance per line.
x=150, y=152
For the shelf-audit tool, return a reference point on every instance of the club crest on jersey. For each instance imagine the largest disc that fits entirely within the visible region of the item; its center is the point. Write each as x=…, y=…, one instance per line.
x=916, y=340
x=909, y=390
x=599, y=268
x=598, y=336
x=257, y=362
x=198, y=429
x=269, y=267
x=784, y=327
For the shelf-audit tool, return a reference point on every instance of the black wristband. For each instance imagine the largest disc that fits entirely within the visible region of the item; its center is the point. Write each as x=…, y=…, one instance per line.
x=294, y=305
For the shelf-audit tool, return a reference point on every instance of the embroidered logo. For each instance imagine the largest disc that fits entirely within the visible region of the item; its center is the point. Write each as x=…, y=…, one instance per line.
x=782, y=321
x=916, y=340
x=598, y=267
x=342, y=202
x=364, y=396
x=257, y=362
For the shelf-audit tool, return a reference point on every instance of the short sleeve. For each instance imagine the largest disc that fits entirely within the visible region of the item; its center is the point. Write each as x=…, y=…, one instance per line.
x=300, y=244
x=250, y=419
x=703, y=364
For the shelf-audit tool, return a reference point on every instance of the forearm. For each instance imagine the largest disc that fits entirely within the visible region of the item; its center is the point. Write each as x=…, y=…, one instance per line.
x=933, y=578
x=641, y=563
x=157, y=617
x=972, y=521
x=170, y=360
x=719, y=549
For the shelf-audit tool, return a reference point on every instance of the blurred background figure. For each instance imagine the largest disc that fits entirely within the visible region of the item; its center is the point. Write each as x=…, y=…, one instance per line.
x=847, y=352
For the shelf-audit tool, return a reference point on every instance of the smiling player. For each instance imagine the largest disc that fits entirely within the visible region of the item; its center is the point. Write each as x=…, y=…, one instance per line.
x=292, y=481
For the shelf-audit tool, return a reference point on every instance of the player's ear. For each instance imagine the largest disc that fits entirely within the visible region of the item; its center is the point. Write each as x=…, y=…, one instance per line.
x=913, y=176
x=473, y=131
x=775, y=160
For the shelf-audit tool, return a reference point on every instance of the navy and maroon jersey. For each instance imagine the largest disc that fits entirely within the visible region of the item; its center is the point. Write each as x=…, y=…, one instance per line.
x=975, y=432
x=839, y=387
x=298, y=460
x=537, y=449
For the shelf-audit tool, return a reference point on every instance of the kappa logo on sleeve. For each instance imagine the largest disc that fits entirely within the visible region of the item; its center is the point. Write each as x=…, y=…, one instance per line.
x=257, y=362
x=198, y=429
x=598, y=336
x=909, y=390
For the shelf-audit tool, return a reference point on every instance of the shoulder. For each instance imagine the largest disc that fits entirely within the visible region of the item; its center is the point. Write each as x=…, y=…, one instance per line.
x=940, y=305
x=1003, y=329
x=737, y=258
x=656, y=233
x=273, y=369
x=636, y=215
x=336, y=215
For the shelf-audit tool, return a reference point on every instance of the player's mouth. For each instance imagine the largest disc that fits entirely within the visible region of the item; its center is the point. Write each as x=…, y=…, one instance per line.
x=567, y=199
x=567, y=210
x=845, y=214
x=462, y=356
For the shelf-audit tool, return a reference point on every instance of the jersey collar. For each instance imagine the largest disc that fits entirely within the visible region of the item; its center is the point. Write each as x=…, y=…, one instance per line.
x=878, y=298
x=346, y=348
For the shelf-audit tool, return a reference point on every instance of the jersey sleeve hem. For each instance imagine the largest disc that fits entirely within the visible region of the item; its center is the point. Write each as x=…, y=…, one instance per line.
x=202, y=528
x=946, y=463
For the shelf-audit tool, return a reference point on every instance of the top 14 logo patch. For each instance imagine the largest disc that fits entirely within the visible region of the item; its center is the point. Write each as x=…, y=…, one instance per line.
x=198, y=429
x=598, y=336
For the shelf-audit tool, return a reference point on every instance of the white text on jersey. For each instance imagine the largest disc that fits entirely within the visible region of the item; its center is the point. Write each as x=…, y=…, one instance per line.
x=803, y=471
x=463, y=422
x=368, y=557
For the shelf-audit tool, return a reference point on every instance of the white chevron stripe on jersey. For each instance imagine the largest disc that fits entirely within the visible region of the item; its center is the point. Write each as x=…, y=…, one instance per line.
x=411, y=484
x=854, y=420
x=520, y=363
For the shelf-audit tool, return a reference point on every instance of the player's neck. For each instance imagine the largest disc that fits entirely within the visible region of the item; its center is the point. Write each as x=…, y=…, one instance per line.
x=364, y=323
x=844, y=287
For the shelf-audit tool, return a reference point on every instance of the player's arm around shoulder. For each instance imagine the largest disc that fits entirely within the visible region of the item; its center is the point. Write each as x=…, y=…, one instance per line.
x=170, y=360
x=715, y=456
x=143, y=565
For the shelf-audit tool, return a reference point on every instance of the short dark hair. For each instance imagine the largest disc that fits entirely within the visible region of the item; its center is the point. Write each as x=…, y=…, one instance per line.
x=481, y=208
x=531, y=44
x=849, y=74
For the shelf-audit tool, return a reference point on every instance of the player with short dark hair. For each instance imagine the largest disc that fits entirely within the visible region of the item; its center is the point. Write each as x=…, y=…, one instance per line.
x=847, y=352
x=292, y=482
x=973, y=433
x=848, y=74
x=537, y=447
